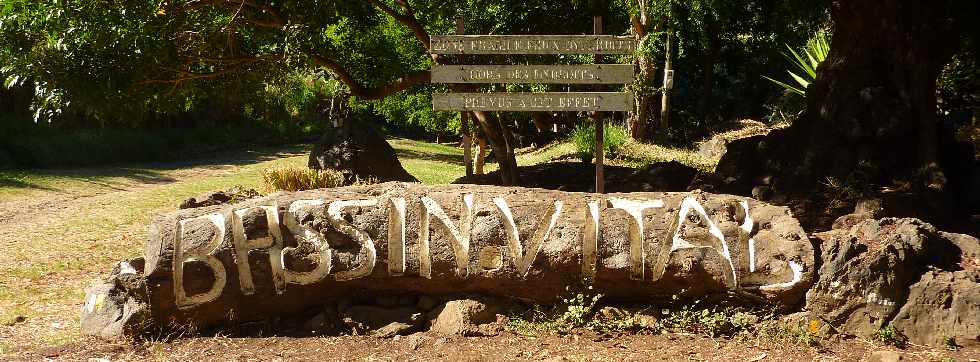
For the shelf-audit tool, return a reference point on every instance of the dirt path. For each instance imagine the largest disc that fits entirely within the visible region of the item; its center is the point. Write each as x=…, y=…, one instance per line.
x=503, y=347
x=60, y=229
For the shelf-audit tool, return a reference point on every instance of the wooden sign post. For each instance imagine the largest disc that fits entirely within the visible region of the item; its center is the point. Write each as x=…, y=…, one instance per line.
x=600, y=142
x=464, y=120
x=591, y=102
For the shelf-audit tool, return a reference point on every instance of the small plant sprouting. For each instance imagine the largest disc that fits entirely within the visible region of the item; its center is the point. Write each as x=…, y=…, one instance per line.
x=950, y=343
x=889, y=336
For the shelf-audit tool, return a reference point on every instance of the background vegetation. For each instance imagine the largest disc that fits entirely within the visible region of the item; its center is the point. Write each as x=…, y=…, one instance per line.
x=106, y=82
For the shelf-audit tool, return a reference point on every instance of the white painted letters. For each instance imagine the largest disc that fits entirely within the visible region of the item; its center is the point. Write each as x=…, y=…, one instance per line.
x=368, y=254
x=459, y=238
x=678, y=243
x=307, y=235
x=635, y=210
x=243, y=245
x=396, y=236
x=521, y=260
x=590, y=242
x=201, y=253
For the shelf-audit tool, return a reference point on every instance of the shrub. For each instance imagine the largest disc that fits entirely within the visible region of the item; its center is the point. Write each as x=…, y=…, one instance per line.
x=889, y=336
x=583, y=137
x=816, y=50
x=300, y=179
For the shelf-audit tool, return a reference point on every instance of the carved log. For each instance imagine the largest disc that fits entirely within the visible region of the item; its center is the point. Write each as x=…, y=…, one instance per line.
x=289, y=251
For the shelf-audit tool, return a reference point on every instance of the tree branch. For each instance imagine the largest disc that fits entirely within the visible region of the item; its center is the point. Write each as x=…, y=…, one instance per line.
x=358, y=90
x=407, y=19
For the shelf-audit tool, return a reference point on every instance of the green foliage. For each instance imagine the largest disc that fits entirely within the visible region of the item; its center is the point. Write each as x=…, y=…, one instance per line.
x=950, y=343
x=614, y=137
x=816, y=50
x=42, y=146
x=888, y=335
x=414, y=110
x=707, y=320
x=575, y=312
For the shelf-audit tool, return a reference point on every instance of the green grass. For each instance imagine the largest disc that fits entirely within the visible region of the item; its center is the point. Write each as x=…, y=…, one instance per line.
x=429, y=162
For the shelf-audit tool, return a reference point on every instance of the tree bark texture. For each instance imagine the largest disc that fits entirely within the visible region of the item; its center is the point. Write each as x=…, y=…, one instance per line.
x=870, y=127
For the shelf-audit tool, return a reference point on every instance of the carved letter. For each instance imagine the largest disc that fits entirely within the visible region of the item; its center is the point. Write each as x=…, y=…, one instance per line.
x=747, y=228
x=677, y=242
x=396, y=236
x=459, y=237
x=635, y=210
x=590, y=242
x=521, y=260
x=303, y=234
x=367, y=253
x=202, y=253
x=243, y=246
x=797, y=277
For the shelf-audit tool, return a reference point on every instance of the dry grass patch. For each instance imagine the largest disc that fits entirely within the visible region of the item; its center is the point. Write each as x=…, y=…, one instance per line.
x=300, y=179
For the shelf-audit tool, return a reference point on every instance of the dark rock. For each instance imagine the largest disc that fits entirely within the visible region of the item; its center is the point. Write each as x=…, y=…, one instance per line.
x=417, y=340
x=901, y=273
x=116, y=306
x=232, y=195
x=358, y=151
x=942, y=305
x=394, y=329
x=885, y=356
x=470, y=317
x=384, y=322
x=386, y=301
x=427, y=303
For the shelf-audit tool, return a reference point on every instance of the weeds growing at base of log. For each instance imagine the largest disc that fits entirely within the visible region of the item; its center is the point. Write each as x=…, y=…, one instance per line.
x=889, y=336
x=583, y=311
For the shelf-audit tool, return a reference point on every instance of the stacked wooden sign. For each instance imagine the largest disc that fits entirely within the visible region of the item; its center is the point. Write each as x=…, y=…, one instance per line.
x=542, y=74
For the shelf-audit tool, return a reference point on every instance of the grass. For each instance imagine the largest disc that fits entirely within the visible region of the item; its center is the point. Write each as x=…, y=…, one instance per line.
x=631, y=154
x=81, y=221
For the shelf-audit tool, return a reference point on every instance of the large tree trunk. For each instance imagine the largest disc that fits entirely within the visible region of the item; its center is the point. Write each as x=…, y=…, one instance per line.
x=637, y=124
x=870, y=128
x=496, y=134
x=668, y=67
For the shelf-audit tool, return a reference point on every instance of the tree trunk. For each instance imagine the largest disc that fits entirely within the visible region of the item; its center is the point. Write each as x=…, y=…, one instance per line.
x=870, y=128
x=637, y=124
x=495, y=134
x=668, y=67
x=481, y=154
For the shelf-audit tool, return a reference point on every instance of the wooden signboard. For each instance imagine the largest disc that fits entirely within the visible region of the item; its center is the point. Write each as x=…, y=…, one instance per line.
x=592, y=102
x=532, y=44
x=533, y=102
x=547, y=74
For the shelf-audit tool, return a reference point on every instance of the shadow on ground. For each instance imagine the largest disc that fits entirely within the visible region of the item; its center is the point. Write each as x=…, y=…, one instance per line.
x=149, y=173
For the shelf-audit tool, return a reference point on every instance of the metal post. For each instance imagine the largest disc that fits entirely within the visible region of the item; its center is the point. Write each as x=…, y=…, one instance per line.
x=599, y=126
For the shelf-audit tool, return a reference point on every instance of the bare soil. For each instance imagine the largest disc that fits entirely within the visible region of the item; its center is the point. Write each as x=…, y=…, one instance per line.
x=504, y=347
